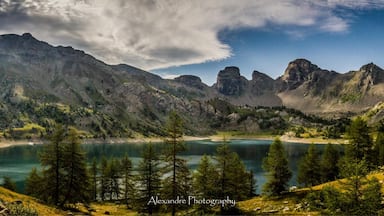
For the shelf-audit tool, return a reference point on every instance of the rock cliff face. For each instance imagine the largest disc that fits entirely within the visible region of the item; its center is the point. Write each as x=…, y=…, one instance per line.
x=261, y=83
x=296, y=74
x=230, y=82
x=34, y=70
x=192, y=81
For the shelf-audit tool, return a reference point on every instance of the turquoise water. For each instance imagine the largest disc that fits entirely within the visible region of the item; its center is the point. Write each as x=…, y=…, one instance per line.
x=16, y=162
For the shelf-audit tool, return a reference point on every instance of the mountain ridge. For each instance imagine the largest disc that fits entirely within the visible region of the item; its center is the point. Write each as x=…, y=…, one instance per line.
x=122, y=100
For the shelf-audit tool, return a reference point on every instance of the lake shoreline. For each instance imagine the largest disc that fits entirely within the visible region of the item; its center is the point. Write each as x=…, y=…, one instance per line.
x=4, y=143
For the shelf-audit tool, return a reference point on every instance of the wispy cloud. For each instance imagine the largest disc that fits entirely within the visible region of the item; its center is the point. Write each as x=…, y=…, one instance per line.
x=169, y=76
x=153, y=34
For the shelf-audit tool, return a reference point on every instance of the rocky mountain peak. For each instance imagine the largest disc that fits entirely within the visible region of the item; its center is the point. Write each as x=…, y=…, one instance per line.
x=190, y=80
x=370, y=68
x=372, y=73
x=230, y=82
x=25, y=43
x=297, y=72
x=261, y=82
x=230, y=71
x=259, y=76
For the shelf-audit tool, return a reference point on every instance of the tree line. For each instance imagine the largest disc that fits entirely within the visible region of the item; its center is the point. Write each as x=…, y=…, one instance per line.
x=357, y=193
x=65, y=177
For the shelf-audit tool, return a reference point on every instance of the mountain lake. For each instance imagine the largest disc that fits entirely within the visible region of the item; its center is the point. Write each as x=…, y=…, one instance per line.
x=17, y=161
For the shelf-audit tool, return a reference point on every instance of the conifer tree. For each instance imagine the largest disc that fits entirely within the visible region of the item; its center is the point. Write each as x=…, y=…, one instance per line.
x=309, y=168
x=126, y=171
x=76, y=180
x=205, y=178
x=238, y=178
x=33, y=184
x=233, y=178
x=94, y=170
x=148, y=179
x=52, y=162
x=276, y=166
x=178, y=181
x=104, y=181
x=205, y=182
x=252, y=184
x=8, y=183
x=114, y=174
x=328, y=164
x=64, y=173
x=360, y=141
x=379, y=147
x=358, y=195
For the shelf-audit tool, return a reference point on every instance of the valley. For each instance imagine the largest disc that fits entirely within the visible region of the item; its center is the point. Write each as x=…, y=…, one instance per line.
x=87, y=111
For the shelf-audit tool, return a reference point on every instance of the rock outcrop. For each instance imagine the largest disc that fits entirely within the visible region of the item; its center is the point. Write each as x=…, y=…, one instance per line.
x=230, y=82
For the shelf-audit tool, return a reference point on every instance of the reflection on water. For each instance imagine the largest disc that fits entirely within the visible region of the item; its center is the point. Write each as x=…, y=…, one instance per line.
x=16, y=162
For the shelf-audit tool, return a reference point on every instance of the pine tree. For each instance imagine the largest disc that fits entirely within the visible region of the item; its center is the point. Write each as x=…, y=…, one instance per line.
x=126, y=170
x=205, y=178
x=379, y=148
x=238, y=178
x=113, y=176
x=328, y=164
x=33, y=184
x=64, y=173
x=252, y=184
x=358, y=195
x=223, y=155
x=309, y=168
x=8, y=183
x=94, y=170
x=233, y=178
x=276, y=166
x=76, y=180
x=178, y=182
x=205, y=182
x=148, y=179
x=52, y=161
x=104, y=181
x=360, y=141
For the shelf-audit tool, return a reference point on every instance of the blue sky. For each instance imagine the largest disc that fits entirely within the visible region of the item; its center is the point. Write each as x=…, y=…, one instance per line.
x=201, y=37
x=269, y=50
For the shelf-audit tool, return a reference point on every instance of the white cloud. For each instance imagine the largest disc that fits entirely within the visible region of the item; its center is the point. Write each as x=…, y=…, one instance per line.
x=153, y=34
x=169, y=76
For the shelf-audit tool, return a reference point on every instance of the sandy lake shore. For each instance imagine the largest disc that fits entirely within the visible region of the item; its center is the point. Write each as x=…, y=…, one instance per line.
x=7, y=143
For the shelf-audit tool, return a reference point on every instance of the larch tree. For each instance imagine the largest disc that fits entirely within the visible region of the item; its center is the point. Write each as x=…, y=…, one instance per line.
x=8, y=183
x=328, y=164
x=252, y=184
x=309, y=172
x=94, y=171
x=233, y=179
x=277, y=171
x=52, y=160
x=148, y=179
x=357, y=194
x=205, y=182
x=379, y=147
x=126, y=172
x=104, y=180
x=33, y=184
x=76, y=180
x=177, y=182
x=114, y=174
x=361, y=145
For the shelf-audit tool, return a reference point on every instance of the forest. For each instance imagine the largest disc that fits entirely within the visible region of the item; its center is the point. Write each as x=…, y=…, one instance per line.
x=67, y=179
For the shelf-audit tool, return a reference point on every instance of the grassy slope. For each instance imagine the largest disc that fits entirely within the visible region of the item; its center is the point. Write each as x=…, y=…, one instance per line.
x=45, y=210
x=260, y=205
x=9, y=196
